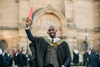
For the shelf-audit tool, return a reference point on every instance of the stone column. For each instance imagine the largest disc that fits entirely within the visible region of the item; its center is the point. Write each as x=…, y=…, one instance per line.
x=69, y=11
x=24, y=6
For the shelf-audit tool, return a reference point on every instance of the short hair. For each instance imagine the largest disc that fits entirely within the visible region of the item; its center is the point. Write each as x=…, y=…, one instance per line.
x=52, y=27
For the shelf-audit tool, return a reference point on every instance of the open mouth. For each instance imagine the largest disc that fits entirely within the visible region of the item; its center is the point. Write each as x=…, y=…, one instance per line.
x=52, y=34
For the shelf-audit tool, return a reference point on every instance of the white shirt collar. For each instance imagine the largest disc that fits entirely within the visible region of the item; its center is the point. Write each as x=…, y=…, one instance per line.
x=55, y=39
x=76, y=51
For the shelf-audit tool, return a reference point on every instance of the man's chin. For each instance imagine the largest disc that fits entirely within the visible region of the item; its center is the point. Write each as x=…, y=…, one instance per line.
x=52, y=36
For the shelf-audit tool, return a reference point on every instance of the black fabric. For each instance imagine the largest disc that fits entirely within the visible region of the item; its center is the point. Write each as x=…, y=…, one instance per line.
x=23, y=60
x=40, y=47
x=50, y=65
x=34, y=60
x=93, y=60
x=17, y=59
x=75, y=58
x=1, y=60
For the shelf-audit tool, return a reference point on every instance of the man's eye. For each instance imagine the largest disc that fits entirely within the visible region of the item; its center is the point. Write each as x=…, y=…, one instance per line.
x=51, y=30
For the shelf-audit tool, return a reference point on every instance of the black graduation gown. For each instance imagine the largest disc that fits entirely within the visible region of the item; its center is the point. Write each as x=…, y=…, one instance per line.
x=75, y=58
x=40, y=46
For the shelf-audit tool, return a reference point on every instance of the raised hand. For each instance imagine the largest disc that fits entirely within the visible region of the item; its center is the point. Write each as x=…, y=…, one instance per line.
x=27, y=22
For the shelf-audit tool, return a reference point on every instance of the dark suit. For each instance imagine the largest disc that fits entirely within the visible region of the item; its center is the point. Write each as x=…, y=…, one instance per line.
x=23, y=60
x=1, y=60
x=10, y=61
x=5, y=60
x=93, y=60
x=99, y=62
x=17, y=59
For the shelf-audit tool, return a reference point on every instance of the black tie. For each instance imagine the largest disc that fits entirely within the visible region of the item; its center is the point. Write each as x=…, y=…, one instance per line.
x=52, y=40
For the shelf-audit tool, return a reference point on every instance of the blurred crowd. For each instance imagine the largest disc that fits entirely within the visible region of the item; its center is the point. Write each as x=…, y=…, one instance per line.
x=20, y=58
x=89, y=58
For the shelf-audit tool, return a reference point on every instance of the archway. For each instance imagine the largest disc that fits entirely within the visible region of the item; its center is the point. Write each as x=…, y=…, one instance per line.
x=46, y=17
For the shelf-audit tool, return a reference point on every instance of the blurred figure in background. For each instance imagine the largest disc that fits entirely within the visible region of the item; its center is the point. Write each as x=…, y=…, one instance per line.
x=75, y=56
x=99, y=62
x=93, y=59
x=30, y=60
x=5, y=59
x=23, y=59
x=80, y=58
x=86, y=57
x=10, y=60
x=1, y=58
x=17, y=59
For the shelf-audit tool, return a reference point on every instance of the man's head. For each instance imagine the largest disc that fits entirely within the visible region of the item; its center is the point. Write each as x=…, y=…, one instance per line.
x=52, y=31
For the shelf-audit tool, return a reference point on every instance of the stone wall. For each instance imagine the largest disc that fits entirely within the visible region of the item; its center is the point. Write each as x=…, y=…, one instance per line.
x=72, y=18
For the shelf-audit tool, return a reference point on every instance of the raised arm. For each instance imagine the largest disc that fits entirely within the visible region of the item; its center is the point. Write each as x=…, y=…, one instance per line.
x=28, y=32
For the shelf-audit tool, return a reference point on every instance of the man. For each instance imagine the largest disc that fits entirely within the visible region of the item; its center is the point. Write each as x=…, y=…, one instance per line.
x=86, y=57
x=75, y=56
x=93, y=59
x=1, y=58
x=5, y=58
x=23, y=59
x=49, y=51
x=99, y=62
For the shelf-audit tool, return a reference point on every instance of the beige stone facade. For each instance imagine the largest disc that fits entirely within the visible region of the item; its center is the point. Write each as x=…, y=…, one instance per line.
x=71, y=17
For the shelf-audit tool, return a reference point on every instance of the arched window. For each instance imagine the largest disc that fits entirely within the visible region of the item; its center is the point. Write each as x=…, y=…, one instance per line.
x=84, y=45
x=3, y=44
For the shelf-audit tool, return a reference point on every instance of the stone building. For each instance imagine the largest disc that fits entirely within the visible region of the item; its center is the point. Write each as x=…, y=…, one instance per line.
x=77, y=21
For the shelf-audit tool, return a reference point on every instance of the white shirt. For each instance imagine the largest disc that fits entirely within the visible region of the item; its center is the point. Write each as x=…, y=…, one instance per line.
x=0, y=51
x=54, y=40
x=76, y=51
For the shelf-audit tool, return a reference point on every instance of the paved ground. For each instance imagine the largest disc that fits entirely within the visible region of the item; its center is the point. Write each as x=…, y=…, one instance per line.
x=78, y=66
x=70, y=66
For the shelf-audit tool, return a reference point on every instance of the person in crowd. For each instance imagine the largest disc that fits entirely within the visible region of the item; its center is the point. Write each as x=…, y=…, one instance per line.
x=13, y=54
x=89, y=52
x=80, y=58
x=75, y=56
x=93, y=59
x=5, y=59
x=99, y=62
x=97, y=54
x=23, y=59
x=1, y=58
x=86, y=57
x=10, y=60
x=17, y=59
x=30, y=60
x=50, y=51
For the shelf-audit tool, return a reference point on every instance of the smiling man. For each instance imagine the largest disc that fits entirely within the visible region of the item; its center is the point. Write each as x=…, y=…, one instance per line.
x=49, y=51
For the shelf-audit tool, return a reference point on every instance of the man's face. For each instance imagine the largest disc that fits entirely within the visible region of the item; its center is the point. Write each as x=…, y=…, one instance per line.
x=52, y=32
